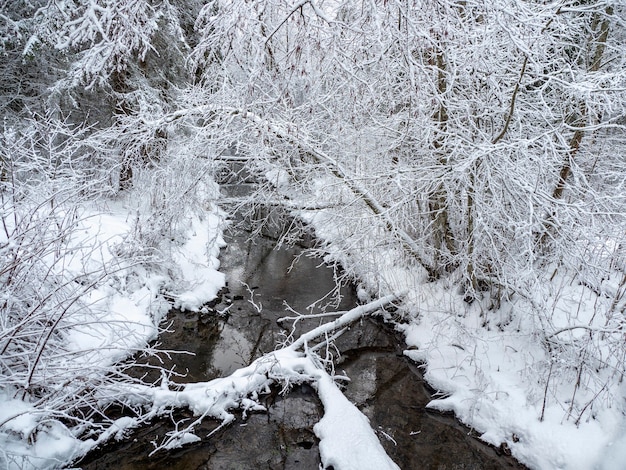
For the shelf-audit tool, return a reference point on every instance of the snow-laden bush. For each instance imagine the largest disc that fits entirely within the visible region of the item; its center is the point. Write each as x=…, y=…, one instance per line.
x=82, y=286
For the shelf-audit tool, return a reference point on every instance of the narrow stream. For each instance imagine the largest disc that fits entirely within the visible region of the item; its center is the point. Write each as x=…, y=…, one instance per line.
x=243, y=325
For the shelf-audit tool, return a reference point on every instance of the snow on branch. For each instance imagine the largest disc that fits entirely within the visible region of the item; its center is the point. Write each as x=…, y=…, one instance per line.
x=296, y=7
x=107, y=35
x=346, y=438
x=345, y=319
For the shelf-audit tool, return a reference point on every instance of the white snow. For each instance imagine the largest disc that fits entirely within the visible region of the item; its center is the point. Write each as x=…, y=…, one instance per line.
x=198, y=273
x=121, y=315
x=347, y=441
x=491, y=366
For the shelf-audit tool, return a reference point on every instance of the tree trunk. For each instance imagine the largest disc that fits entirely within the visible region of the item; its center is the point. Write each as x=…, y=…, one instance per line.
x=120, y=88
x=442, y=234
x=580, y=117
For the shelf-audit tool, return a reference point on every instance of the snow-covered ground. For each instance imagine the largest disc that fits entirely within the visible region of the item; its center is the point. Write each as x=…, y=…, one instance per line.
x=122, y=315
x=119, y=315
x=491, y=366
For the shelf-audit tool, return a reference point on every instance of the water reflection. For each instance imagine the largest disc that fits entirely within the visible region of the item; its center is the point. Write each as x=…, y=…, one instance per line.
x=232, y=351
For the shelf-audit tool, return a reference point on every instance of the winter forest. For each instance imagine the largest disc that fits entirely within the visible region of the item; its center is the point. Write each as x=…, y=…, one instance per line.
x=462, y=161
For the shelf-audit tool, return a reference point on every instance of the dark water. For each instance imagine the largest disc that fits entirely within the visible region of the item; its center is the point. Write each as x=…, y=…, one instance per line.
x=385, y=385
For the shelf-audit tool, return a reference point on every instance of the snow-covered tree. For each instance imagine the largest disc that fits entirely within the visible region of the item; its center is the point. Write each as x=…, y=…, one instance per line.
x=74, y=74
x=479, y=140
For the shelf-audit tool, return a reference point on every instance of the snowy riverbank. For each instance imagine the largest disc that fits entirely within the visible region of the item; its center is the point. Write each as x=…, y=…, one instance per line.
x=120, y=314
x=491, y=364
x=116, y=316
